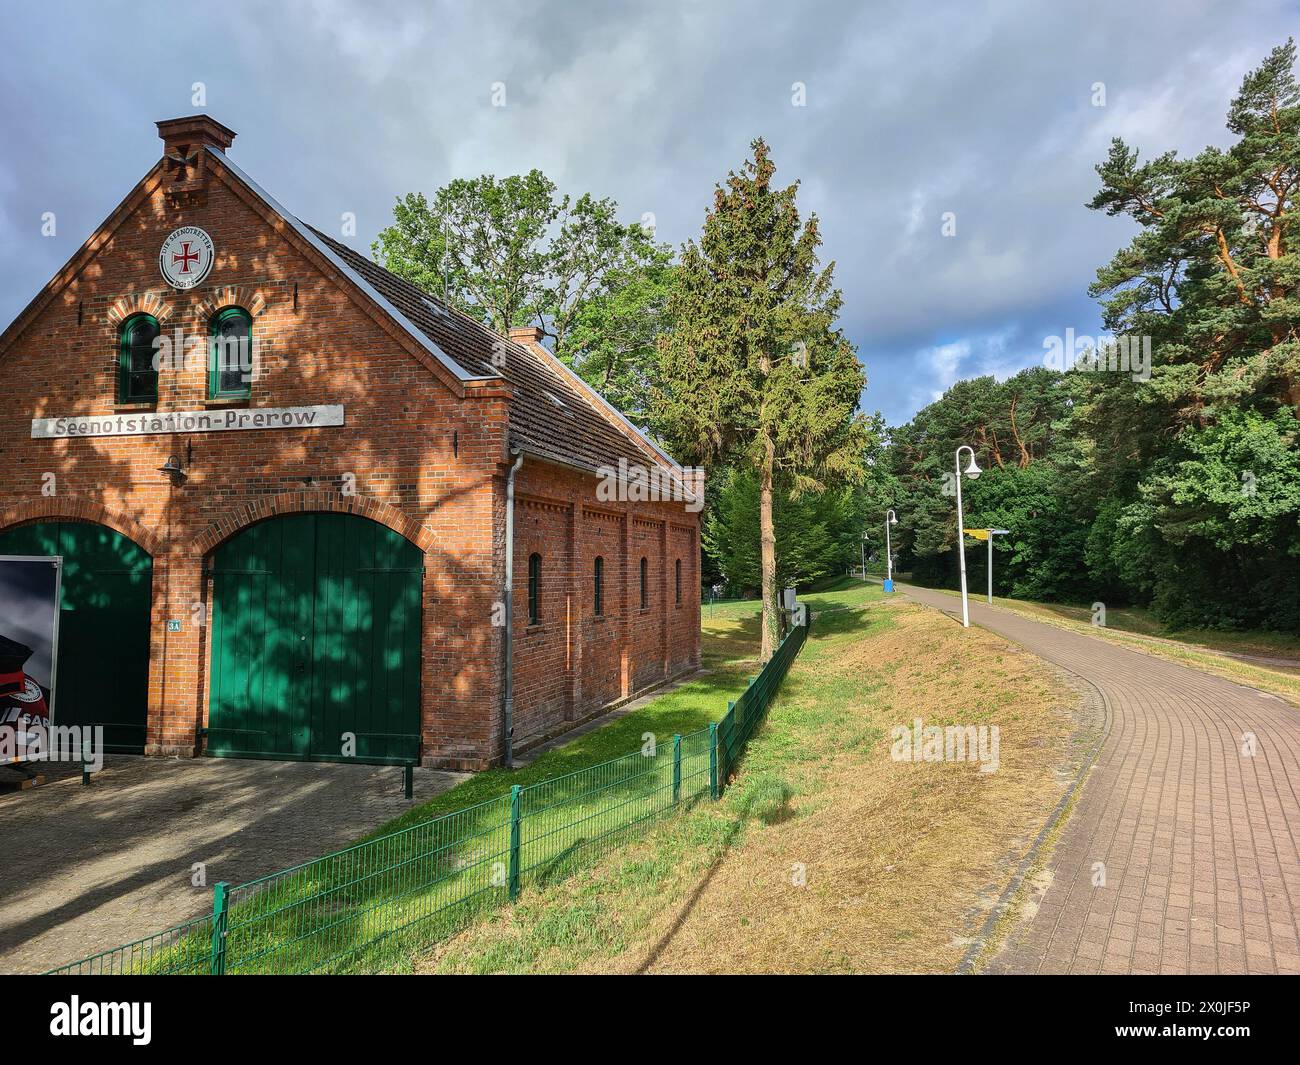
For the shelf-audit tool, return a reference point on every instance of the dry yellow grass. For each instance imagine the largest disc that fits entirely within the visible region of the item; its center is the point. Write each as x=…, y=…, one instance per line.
x=901, y=863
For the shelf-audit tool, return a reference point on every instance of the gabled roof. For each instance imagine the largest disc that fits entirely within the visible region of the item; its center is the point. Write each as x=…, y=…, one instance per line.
x=554, y=414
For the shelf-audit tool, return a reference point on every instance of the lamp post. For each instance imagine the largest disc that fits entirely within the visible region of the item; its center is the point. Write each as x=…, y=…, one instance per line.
x=992, y=533
x=972, y=471
x=863, y=547
x=890, y=519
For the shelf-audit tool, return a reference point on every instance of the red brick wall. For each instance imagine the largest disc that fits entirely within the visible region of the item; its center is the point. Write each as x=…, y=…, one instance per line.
x=428, y=456
x=573, y=663
x=398, y=443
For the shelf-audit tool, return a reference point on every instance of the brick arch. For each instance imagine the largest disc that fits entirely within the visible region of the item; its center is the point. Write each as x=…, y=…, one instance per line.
x=137, y=303
x=304, y=502
x=232, y=296
x=73, y=508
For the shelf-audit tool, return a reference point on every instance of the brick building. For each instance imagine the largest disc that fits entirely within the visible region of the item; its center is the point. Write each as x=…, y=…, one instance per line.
x=279, y=477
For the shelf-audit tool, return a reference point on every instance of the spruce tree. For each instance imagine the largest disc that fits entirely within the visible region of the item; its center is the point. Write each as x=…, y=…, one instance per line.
x=754, y=371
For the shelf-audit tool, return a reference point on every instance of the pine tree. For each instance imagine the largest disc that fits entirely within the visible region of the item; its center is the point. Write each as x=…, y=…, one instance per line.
x=754, y=371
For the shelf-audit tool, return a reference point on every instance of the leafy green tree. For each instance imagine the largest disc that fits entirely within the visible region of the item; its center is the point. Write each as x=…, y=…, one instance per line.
x=1182, y=491
x=817, y=534
x=755, y=371
x=1015, y=427
x=1213, y=278
x=512, y=251
x=481, y=240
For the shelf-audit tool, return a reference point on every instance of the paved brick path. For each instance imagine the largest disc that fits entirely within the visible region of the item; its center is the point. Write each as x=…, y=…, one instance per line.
x=1202, y=872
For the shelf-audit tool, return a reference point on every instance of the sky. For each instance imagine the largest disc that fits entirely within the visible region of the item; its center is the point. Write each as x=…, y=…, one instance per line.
x=895, y=118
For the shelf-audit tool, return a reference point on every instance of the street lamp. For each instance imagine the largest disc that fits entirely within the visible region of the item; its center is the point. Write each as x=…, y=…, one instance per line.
x=972, y=471
x=863, y=547
x=890, y=519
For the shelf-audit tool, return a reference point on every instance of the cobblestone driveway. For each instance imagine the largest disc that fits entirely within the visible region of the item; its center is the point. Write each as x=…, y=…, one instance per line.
x=88, y=868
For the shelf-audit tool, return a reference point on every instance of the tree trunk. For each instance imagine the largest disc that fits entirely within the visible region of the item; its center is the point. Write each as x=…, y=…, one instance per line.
x=771, y=621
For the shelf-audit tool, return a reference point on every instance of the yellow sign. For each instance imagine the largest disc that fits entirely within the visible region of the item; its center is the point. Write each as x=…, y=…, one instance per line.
x=979, y=534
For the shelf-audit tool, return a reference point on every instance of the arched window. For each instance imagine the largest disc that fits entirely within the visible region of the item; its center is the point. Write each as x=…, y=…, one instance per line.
x=230, y=372
x=645, y=584
x=534, y=588
x=137, y=374
x=677, y=580
x=599, y=600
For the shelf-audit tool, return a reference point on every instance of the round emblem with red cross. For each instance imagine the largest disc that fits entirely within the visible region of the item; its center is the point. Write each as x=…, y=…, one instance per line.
x=186, y=257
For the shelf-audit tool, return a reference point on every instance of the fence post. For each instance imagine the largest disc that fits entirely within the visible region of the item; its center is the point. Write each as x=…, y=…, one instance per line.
x=217, y=965
x=514, y=842
x=713, y=759
x=677, y=768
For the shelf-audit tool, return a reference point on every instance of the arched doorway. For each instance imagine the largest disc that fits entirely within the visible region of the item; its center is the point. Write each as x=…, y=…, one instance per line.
x=103, y=663
x=316, y=639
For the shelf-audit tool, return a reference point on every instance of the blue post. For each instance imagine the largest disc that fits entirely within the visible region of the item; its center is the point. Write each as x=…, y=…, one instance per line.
x=514, y=842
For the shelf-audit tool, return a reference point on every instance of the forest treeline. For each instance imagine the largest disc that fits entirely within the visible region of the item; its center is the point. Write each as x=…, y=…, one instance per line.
x=1156, y=466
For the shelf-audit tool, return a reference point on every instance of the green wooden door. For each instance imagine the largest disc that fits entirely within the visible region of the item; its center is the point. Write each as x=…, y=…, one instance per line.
x=315, y=639
x=103, y=661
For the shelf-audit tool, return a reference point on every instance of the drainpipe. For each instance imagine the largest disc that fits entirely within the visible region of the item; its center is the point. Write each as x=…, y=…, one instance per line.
x=508, y=700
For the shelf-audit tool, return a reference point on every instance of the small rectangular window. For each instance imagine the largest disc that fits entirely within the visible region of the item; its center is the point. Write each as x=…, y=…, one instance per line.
x=138, y=371
x=599, y=599
x=677, y=581
x=231, y=371
x=645, y=584
x=534, y=588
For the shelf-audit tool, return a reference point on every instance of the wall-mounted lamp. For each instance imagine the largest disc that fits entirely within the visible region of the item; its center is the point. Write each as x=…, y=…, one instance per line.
x=173, y=468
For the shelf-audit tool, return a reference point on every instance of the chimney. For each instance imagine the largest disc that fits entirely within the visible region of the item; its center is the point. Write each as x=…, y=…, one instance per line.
x=526, y=334
x=184, y=158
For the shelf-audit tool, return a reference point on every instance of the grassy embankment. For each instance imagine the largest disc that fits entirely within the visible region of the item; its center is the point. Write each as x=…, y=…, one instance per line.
x=825, y=855
x=1269, y=661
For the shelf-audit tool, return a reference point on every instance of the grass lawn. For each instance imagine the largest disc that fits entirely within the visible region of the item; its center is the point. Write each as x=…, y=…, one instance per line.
x=825, y=854
x=729, y=656
x=443, y=864
x=1209, y=650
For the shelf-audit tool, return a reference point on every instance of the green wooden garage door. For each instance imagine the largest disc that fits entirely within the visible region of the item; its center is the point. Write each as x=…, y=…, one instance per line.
x=103, y=664
x=316, y=634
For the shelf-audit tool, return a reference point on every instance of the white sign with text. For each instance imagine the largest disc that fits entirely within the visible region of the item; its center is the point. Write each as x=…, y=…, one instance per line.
x=187, y=421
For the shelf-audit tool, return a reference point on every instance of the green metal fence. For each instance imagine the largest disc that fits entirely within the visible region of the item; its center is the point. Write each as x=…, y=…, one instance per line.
x=745, y=714
x=363, y=908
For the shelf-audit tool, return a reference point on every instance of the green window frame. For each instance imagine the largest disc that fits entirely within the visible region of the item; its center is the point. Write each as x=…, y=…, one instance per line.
x=599, y=602
x=534, y=588
x=224, y=383
x=138, y=383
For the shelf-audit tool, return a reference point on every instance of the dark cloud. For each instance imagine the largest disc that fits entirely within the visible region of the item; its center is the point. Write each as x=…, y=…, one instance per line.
x=913, y=110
